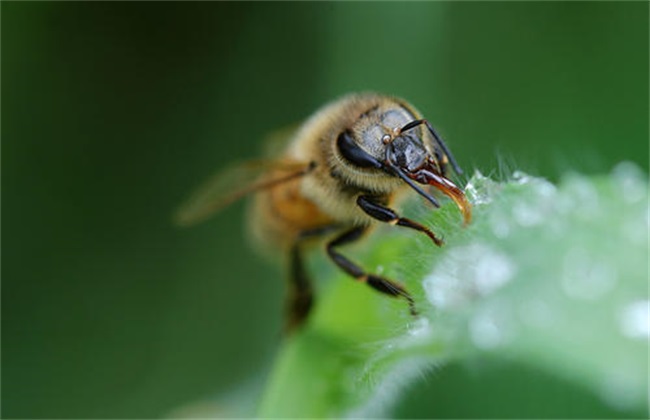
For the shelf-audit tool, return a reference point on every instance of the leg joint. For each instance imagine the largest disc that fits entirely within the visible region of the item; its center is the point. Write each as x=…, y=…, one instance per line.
x=375, y=210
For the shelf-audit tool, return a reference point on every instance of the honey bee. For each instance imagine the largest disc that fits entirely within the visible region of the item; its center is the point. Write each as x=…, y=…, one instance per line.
x=339, y=174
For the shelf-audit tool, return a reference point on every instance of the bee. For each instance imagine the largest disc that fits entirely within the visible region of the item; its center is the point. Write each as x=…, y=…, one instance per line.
x=339, y=174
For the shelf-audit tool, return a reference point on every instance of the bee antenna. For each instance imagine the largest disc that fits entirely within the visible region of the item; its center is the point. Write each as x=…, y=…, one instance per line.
x=406, y=179
x=438, y=139
x=444, y=148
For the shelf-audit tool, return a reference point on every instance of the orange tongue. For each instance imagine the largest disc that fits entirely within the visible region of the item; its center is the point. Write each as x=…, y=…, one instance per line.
x=449, y=189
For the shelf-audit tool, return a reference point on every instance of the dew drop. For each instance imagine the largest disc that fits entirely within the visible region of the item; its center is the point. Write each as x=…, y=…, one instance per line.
x=500, y=225
x=586, y=278
x=444, y=289
x=521, y=177
x=467, y=272
x=493, y=270
x=484, y=332
x=527, y=214
x=634, y=320
x=622, y=387
x=636, y=231
x=481, y=189
x=584, y=197
x=629, y=179
x=420, y=328
x=544, y=188
x=538, y=203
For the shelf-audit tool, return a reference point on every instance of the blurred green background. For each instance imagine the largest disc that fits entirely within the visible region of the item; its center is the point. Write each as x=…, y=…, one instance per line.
x=113, y=112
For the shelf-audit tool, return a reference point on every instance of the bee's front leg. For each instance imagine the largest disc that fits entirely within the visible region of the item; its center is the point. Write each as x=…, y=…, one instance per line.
x=384, y=214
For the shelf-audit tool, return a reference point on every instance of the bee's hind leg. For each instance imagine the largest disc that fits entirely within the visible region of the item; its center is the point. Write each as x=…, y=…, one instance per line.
x=301, y=295
x=378, y=283
x=300, y=298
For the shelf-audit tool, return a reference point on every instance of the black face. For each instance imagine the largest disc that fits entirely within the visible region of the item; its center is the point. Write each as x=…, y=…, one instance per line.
x=406, y=151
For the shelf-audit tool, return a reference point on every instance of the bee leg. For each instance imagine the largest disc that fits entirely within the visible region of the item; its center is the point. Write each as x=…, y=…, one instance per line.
x=378, y=283
x=301, y=295
x=384, y=214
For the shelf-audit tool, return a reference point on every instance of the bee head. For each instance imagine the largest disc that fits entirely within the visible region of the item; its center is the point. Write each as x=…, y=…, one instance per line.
x=406, y=157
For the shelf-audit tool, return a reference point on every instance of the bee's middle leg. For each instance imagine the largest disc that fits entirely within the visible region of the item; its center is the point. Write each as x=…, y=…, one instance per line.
x=376, y=282
x=384, y=214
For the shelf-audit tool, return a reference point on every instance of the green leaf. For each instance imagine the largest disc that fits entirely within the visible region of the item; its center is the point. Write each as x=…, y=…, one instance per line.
x=550, y=277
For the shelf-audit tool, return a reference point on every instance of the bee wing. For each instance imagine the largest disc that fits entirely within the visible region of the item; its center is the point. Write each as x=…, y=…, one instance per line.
x=235, y=182
x=275, y=143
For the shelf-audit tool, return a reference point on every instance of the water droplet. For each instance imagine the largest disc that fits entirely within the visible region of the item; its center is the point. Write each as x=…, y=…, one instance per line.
x=420, y=328
x=636, y=231
x=484, y=332
x=467, y=272
x=583, y=198
x=539, y=201
x=493, y=270
x=544, y=188
x=500, y=224
x=585, y=277
x=622, y=387
x=527, y=214
x=480, y=189
x=635, y=320
x=520, y=177
x=630, y=180
x=443, y=286
x=445, y=290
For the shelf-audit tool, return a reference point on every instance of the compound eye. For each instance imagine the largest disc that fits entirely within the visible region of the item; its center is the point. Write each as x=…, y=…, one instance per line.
x=354, y=154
